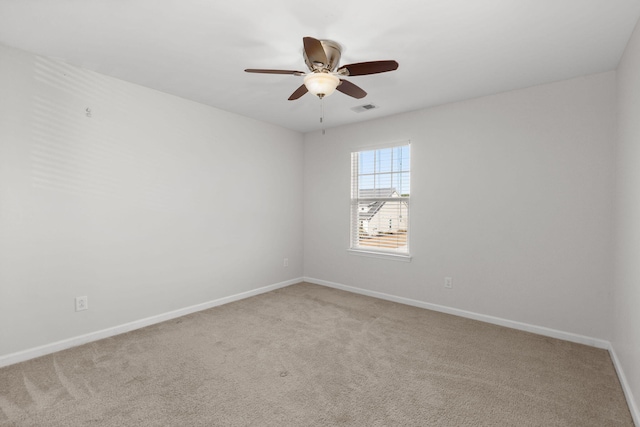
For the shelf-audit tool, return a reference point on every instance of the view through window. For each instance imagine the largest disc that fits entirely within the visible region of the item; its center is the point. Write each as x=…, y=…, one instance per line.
x=380, y=192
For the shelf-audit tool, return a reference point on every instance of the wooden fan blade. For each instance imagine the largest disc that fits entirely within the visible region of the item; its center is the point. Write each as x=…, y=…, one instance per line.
x=372, y=67
x=254, y=70
x=298, y=93
x=350, y=89
x=314, y=50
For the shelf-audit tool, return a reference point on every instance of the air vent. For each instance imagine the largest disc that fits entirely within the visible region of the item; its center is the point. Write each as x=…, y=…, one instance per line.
x=365, y=107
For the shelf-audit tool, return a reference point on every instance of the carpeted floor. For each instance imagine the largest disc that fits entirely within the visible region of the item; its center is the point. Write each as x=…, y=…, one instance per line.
x=307, y=355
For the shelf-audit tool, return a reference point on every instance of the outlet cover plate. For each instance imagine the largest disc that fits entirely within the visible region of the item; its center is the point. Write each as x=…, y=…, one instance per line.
x=82, y=303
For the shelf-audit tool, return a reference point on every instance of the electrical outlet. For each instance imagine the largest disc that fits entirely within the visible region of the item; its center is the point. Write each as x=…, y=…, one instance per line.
x=286, y=262
x=82, y=303
x=448, y=282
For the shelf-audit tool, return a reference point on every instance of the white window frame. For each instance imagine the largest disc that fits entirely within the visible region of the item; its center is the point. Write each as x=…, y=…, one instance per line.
x=357, y=199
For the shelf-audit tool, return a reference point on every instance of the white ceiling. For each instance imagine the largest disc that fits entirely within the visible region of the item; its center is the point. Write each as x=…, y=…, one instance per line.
x=448, y=50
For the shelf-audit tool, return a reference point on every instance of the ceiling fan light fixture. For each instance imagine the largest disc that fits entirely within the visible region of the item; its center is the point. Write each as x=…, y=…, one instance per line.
x=321, y=84
x=322, y=57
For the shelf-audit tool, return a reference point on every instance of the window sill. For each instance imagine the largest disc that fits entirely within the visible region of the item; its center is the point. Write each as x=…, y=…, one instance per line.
x=383, y=255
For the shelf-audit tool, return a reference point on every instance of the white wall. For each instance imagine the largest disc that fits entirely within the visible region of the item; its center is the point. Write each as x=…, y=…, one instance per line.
x=153, y=204
x=626, y=289
x=511, y=196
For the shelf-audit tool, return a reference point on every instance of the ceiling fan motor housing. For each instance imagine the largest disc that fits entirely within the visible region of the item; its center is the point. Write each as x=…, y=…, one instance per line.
x=332, y=50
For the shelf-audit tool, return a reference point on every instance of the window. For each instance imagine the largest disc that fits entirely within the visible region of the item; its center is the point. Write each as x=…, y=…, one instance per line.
x=380, y=191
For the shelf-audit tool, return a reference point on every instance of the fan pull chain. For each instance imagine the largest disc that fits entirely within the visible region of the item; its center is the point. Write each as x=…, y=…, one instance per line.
x=322, y=114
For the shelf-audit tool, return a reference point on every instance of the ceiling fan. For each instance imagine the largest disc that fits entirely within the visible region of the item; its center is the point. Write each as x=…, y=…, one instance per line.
x=324, y=76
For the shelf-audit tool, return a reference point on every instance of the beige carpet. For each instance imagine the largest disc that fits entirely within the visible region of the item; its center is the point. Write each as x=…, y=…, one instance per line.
x=307, y=355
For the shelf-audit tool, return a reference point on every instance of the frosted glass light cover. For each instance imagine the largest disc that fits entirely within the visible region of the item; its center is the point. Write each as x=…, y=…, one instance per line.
x=321, y=83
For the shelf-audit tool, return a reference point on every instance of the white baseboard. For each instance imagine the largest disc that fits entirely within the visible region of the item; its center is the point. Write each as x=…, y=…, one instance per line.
x=32, y=353
x=540, y=330
x=633, y=407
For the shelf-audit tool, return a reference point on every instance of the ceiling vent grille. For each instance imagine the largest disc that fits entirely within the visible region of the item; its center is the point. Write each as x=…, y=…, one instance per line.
x=365, y=107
